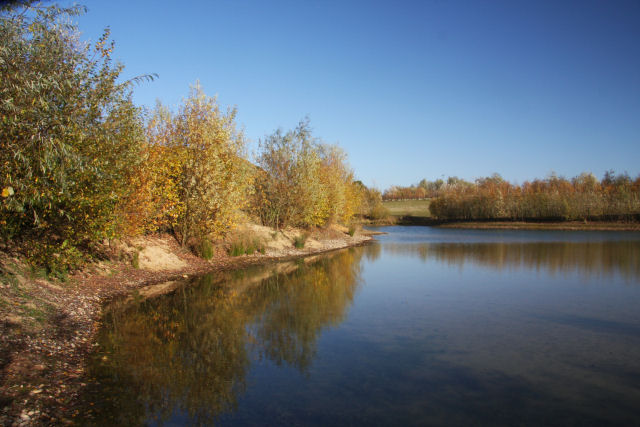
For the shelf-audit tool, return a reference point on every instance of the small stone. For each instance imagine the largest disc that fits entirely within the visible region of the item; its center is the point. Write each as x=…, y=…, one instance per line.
x=36, y=391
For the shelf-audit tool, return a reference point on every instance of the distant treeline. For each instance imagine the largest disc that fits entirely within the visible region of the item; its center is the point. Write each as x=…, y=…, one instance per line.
x=615, y=196
x=81, y=163
x=423, y=190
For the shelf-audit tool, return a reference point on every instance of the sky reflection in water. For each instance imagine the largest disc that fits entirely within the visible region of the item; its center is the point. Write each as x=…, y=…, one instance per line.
x=428, y=326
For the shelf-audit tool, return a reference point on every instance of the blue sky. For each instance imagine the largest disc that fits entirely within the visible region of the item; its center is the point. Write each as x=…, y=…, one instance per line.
x=410, y=89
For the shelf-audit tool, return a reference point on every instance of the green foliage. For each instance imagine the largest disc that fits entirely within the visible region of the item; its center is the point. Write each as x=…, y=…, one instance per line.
x=352, y=230
x=80, y=164
x=69, y=138
x=56, y=259
x=236, y=249
x=372, y=207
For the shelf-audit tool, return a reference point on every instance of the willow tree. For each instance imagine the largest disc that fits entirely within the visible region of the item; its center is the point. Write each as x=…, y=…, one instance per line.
x=69, y=137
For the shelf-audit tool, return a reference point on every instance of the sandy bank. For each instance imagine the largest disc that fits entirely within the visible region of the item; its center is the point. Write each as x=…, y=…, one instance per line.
x=48, y=327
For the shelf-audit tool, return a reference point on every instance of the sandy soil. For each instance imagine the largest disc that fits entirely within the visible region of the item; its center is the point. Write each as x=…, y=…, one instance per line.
x=48, y=326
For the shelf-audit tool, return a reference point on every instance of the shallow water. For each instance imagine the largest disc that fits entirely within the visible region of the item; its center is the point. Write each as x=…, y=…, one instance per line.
x=425, y=327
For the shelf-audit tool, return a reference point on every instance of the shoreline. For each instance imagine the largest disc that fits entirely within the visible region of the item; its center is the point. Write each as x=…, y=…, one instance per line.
x=43, y=363
x=564, y=226
x=515, y=225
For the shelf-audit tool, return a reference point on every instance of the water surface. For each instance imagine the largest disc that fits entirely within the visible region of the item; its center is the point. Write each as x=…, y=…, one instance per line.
x=426, y=327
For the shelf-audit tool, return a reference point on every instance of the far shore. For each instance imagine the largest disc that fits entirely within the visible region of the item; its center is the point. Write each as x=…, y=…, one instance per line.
x=518, y=225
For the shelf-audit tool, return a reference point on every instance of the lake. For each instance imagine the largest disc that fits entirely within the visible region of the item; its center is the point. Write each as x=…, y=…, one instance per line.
x=426, y=326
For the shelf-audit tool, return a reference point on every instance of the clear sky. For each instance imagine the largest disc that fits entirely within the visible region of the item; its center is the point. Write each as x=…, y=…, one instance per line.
x=410, y=89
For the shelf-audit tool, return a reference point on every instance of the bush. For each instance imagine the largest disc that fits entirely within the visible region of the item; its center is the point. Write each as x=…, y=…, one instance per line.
x=378, y=212
x=553, y=198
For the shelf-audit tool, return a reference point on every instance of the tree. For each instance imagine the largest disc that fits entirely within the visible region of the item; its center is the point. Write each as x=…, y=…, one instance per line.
x=201, y=167
x=303, y=182
x=70, y=134
x=285, y=158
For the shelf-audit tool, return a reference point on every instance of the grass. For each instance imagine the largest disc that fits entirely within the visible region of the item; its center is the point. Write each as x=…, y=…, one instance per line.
x=246, y=244
x=135, y=260
x=414, y=208
x=299, y=241
x=206, y=249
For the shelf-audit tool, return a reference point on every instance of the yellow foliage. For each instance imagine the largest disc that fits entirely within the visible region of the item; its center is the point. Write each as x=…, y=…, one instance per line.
x=302, y=182
x=197, y=177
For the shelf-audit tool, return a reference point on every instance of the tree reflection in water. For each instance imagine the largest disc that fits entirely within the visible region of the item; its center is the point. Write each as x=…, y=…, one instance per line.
x=187, y=354
x=604, y=258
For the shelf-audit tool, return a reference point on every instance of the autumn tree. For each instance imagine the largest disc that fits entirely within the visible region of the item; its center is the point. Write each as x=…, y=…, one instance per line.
x=288, y=163
x=303, y=182
x=197, y=159
x=581, y=198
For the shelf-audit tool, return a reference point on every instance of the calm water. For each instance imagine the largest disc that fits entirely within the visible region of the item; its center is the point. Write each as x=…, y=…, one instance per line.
x=425, y=327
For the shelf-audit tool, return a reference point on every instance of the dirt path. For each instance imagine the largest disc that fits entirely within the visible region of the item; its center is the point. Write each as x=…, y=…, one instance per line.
x=48, y=327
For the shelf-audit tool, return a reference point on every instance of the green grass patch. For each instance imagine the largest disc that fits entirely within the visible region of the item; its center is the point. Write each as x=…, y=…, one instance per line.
x=246, y=244
x=135, y=260
x=300, y=240
x=206, y=249
x=415, y=208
